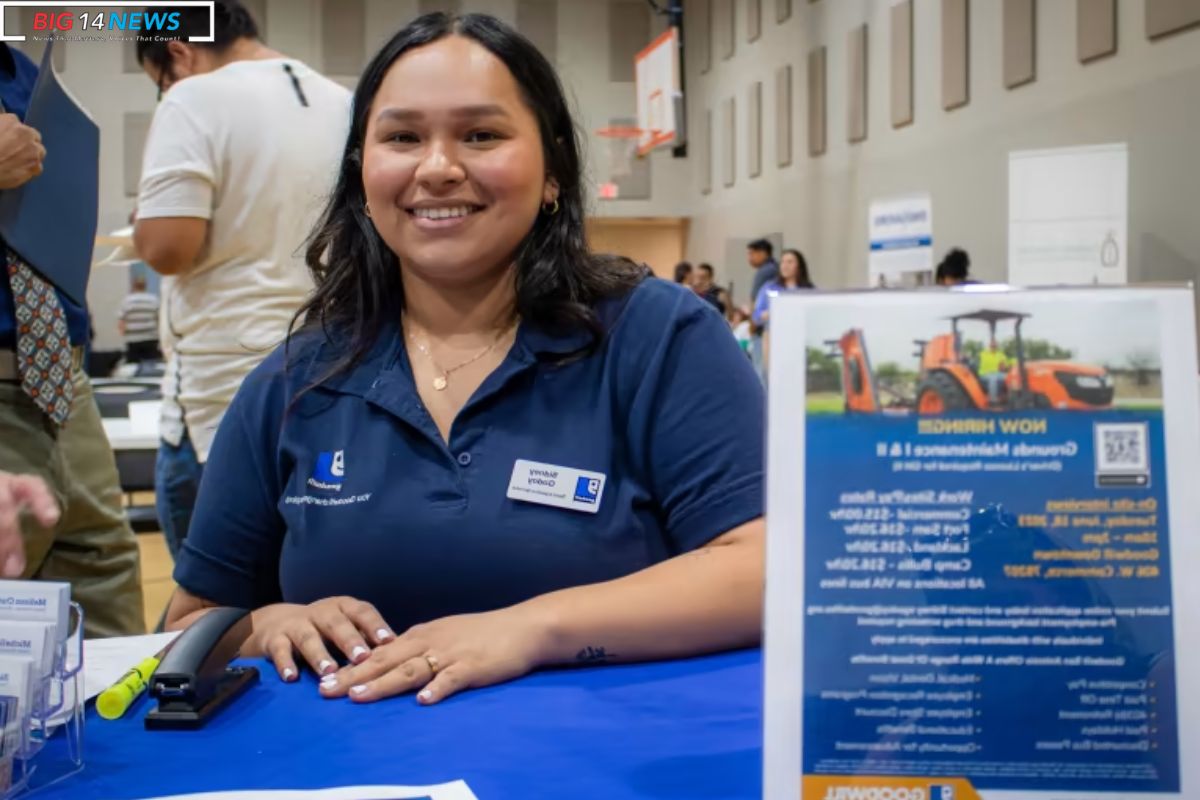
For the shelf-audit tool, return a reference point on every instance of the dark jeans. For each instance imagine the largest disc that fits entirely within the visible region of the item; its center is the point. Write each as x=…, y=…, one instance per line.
x=136, y=352
x=176, y=482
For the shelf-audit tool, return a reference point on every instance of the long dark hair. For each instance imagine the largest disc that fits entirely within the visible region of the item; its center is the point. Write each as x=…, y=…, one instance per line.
x=358, y=287
x=803, y=281
x=231, y=21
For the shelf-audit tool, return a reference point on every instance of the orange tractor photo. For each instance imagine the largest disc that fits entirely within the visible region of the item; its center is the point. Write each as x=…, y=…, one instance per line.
x=949, y=380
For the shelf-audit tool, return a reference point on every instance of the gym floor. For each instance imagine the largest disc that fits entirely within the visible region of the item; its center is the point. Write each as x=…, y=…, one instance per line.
x=157, y=566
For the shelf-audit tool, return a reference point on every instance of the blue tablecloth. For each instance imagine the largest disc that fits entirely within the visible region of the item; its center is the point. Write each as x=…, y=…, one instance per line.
x=685, y=729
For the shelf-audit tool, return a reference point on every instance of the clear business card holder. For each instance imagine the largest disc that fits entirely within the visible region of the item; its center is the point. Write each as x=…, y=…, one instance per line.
x=45, y=745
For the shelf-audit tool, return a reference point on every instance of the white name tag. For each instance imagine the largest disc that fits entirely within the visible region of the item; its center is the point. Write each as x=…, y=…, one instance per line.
x=562, y=487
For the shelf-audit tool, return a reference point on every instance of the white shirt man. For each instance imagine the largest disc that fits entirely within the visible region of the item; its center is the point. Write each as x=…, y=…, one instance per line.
x=254, y=153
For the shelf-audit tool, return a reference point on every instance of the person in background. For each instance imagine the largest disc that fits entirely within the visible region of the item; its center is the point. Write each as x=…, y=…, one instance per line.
x=739, y=323
x=702, y=284
x=378, y=488
x=760, y=257
x=993, y=368
x=50, y=427
x=955, y=268
x=683, y=273
x=242, y=151
x=138, y=323
x=793, y=274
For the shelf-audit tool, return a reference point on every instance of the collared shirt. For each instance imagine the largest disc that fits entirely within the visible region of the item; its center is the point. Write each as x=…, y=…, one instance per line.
x=769, y=271
x=354, y=491
x=16, y=83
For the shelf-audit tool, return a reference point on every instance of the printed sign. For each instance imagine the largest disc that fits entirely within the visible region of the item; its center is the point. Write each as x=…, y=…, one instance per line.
x=980, y=546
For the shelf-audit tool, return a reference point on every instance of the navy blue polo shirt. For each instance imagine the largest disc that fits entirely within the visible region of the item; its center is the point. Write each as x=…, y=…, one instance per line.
x=16, y=84
x=354, y=492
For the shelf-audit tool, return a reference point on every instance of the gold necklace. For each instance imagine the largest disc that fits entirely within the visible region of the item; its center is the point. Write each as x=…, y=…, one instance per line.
x=443, y=379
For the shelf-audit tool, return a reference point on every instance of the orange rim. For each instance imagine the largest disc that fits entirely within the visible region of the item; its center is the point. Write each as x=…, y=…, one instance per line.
x=619, y=132
x=931, y=403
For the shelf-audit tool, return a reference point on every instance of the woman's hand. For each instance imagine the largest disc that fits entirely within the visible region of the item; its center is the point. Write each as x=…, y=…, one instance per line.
x=446, y=656
x=283, y=629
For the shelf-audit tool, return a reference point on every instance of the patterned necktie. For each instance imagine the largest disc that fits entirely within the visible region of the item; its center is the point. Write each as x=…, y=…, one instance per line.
x=43, y=342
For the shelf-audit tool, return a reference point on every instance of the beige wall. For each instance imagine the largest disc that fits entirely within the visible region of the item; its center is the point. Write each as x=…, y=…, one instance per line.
x=659, y=243
x=1148, y=95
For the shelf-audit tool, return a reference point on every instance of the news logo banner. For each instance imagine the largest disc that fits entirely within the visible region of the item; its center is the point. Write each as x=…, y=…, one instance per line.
x=74, y=16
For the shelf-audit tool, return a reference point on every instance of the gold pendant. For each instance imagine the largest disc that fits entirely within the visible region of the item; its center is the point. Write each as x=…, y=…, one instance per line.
x=440, y=383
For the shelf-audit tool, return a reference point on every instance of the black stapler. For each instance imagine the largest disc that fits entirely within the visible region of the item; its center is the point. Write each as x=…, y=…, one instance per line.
x=194, y=680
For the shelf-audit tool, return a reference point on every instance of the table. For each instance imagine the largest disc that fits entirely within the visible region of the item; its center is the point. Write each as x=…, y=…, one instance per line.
x=123, y=436
x=680, y=730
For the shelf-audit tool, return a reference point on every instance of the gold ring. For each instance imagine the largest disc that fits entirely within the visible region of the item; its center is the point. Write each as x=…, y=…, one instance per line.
x=432, y=662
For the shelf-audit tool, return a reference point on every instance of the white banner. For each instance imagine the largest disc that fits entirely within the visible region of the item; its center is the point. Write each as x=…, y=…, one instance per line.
x=900, y=239
x=1068, y=216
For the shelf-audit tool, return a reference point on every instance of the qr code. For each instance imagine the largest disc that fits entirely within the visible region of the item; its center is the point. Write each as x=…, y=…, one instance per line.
x=1123, y=453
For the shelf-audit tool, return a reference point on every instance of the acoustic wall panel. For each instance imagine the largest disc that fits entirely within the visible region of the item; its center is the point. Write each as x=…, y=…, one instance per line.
x=704, y=37
x=902, y=64
x=754, y=131
x=725, y=13
x=783, y=116
x=1095, y=28
x=1165, y=17
x=816, y=101
x=729, y=141
x=537, y=20
x=856, y=84
x=753, y=19
x=628, y=35
x=1020, y=42
x=343, y=37
x=706, y=153
x=956, y=60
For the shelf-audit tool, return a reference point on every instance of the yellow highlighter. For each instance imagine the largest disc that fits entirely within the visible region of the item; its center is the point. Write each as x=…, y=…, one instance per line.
x=116, y=699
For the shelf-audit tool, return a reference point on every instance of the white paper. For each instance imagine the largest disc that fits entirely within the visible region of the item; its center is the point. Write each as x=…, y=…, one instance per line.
x=106, y=660
x=143, y=417
x=457, y=790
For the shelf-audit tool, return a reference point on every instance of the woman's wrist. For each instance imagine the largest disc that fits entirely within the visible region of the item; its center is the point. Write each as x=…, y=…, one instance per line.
x=544, y=621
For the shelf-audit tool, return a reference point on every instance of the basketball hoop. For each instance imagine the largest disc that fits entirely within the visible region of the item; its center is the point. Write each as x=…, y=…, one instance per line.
x=623, y=143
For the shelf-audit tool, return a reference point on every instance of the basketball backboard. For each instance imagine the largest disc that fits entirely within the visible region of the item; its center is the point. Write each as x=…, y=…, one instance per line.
x=659, y=97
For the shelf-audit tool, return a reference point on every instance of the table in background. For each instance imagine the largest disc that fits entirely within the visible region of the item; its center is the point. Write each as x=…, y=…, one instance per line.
x=680, y=730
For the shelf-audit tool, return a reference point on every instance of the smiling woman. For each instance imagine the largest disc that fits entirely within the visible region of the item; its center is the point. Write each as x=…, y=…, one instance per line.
x=483, y=435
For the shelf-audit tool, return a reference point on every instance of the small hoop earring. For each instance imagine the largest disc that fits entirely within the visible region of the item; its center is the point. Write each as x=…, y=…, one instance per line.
x=553, y=210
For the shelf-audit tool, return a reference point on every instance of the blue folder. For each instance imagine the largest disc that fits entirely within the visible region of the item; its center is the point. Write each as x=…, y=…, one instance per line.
x=50, y=221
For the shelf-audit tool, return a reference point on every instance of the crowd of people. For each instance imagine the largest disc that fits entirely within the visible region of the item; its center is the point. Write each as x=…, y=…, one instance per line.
x=751, y=323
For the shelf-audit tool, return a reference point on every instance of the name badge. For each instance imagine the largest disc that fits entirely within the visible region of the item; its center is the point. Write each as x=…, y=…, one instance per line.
x=561, y=487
